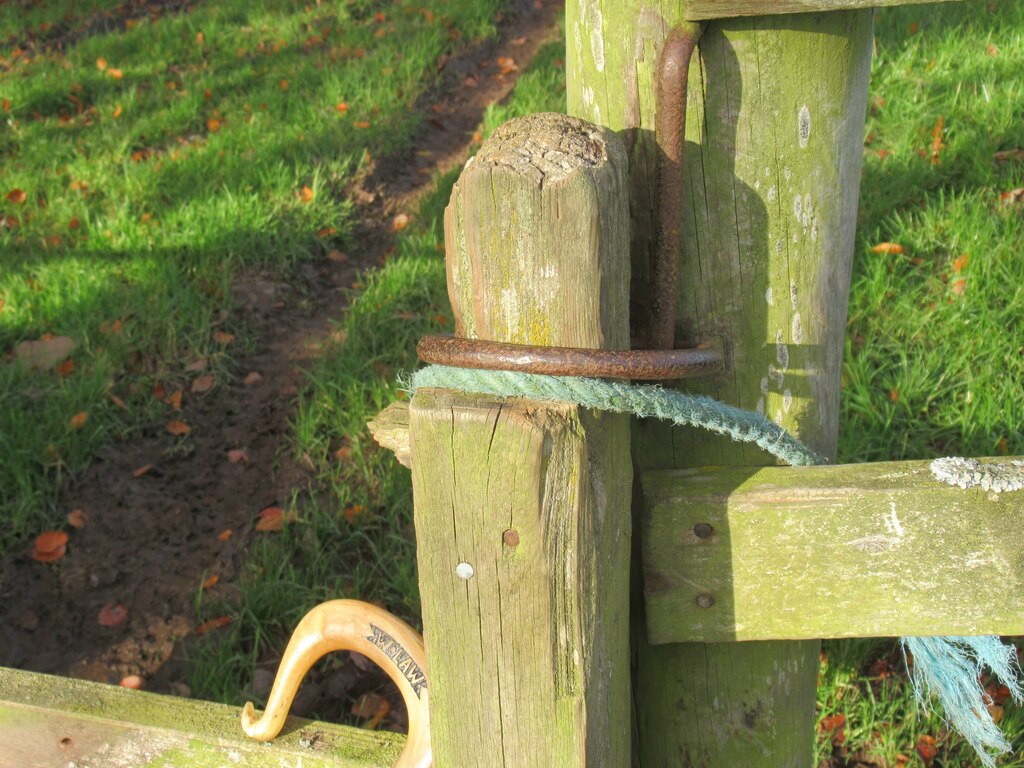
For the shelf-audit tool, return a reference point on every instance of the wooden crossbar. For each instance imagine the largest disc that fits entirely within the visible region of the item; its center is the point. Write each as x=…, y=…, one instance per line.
x=859, y=550
x=48, y=721
x=697, y=10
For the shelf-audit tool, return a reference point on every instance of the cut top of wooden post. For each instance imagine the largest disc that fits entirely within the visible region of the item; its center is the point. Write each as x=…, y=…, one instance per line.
x=697, y=10
x=522, y=215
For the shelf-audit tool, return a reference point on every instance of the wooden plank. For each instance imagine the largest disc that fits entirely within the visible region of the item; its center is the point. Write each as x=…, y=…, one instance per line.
x=523, y=523
x=773, y=156
x=859, y=550
x=698, y=10
x=48, y=721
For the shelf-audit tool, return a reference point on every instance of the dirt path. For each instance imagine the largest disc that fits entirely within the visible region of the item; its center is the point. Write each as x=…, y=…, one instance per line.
x=151, y=540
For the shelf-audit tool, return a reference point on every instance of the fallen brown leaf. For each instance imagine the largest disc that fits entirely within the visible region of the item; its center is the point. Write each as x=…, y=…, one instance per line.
x=892, y=249
x=78, y=420
x=131, y=681
x=174, y=400
x=44, y=353
x=50, y=546
x=177, y=428
x=224, y=535
x=211, y=624
x=238, y=456
x=211, y=582
x=223, y=337
x=273, y=519
x=201, y=384
x=252, y=379
x=143, y=470
x=112, y=614
x=77, y=518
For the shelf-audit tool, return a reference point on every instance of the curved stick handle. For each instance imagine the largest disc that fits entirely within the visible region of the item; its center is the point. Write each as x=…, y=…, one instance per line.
x=351, y=625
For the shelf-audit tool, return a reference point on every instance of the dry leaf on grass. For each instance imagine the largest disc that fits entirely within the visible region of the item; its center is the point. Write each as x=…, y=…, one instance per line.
x=44, y=353
x=892, y=249
x=274, y=518
x=211, y=624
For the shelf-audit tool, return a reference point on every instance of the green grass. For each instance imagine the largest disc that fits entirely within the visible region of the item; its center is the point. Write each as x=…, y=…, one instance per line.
x=933, y=367
x=160, y=155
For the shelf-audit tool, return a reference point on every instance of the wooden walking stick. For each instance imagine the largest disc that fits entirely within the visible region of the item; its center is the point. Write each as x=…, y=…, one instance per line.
x=351, y=625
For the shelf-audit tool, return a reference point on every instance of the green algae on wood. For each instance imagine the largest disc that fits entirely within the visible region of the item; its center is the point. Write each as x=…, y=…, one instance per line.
x=859, y=550
x=523, y=509
x=697, y=10
x=773, y=155
x=47, y=721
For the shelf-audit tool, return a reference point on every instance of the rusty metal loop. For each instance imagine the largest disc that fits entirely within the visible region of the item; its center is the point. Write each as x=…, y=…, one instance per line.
x=638, y=364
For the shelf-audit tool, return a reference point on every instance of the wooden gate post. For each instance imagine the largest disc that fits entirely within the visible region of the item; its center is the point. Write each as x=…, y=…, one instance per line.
x=523, y=509
x=772, y=169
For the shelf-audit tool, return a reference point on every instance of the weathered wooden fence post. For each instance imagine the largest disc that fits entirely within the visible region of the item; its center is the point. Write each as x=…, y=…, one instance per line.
x=773, y=157
x=522, y=509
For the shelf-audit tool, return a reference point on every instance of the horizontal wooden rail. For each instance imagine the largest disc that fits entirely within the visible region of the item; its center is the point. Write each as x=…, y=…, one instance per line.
x=48, y=721
x=859, y=550
x=697, y=10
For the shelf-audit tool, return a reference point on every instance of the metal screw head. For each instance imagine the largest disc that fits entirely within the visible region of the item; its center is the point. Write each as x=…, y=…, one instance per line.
x=464, y=571
x=703, y=531
x=511, y=537
x=705, y=601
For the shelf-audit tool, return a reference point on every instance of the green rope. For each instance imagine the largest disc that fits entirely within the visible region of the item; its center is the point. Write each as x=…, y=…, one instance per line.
x=643, y=400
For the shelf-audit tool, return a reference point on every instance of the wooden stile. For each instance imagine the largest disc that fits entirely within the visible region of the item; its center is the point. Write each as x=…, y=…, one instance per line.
x=773, y=157
x=857, y=550
x=523, y=509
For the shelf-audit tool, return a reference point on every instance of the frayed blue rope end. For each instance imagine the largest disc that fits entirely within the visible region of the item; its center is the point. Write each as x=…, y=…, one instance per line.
x=949, y=668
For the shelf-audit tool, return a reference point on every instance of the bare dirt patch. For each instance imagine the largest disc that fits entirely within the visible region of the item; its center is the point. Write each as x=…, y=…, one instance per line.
x=151, y=539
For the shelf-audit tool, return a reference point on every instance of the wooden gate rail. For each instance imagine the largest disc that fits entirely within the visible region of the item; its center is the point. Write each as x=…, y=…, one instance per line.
x=48, y=721
x=856, y=550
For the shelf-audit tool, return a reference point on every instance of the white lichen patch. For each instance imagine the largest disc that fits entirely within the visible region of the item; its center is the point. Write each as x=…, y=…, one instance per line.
x=596, y=23
x=787, y=401
x=760, y=405
x=797, y=330
x=792, y=293
x=764, y=385
x=971, y=473
x=781, y=351
x=798, y=206
x=804, y=126
x=768, y=297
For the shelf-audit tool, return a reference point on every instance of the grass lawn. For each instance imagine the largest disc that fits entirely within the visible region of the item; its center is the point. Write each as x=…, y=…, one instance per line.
x=934, y=359
x=148, y=154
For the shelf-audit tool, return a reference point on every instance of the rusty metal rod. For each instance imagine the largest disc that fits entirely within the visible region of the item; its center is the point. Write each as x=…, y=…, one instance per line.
x=639, y=364
x=670, y=134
